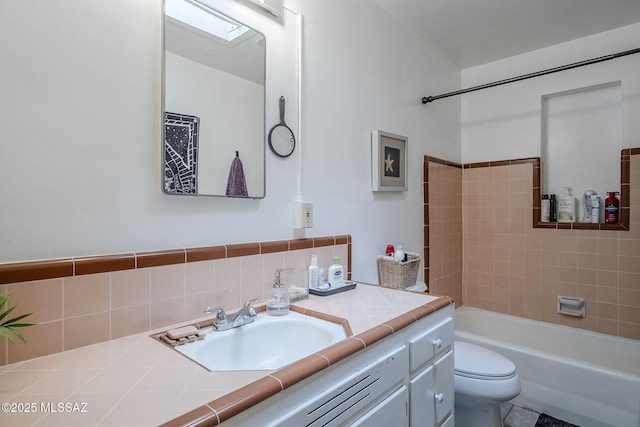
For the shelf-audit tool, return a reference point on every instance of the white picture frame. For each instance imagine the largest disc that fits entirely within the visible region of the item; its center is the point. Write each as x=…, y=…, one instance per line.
x=388, y=161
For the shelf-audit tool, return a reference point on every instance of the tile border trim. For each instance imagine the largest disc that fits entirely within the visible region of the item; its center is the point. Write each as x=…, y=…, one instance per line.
x=70, y=267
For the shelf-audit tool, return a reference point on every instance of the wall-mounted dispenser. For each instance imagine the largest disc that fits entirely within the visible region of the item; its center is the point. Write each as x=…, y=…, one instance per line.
x=571, y=306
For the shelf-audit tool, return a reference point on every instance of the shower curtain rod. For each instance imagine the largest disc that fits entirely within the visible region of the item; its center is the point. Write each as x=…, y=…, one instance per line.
x=428, y=99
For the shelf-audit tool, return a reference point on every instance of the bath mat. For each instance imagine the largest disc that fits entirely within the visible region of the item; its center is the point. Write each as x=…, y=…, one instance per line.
x=545, y=420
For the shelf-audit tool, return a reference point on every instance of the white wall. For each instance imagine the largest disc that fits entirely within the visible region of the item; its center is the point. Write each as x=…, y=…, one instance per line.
x=504, y=122
x=581, y=143
x=81, y=119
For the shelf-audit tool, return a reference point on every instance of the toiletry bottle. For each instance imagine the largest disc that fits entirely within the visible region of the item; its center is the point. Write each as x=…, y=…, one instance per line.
x=611, y=208
x=595, y=208
x=336, y=273
x=586, y=205
x=567, y=206
x=553, y=208
x=390, y=250
x=314, y=272
x=398, y=255
x=545, y=208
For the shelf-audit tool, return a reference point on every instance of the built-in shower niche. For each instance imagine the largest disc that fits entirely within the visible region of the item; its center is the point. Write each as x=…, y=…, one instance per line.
x=581, y=141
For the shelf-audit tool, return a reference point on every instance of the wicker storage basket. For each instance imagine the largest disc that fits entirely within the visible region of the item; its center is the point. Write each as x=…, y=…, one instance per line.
x=400, y=275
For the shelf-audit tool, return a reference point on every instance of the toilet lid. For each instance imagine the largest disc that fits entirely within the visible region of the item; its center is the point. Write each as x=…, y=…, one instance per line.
x=475, y=361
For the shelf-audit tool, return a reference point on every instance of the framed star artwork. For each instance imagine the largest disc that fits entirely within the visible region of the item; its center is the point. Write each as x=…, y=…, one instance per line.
x=388, y=161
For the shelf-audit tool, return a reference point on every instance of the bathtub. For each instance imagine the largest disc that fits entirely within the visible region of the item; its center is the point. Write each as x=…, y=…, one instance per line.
x=582, y=377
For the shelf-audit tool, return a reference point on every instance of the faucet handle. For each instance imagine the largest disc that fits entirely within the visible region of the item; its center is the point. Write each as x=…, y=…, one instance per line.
x=247, y=308
x=221, y=316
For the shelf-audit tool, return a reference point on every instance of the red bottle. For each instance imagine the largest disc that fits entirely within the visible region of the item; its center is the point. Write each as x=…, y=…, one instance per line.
x=390, y=250
x=611, y=208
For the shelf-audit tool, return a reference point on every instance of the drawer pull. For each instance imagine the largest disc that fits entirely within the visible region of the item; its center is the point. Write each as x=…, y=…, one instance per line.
x=439, y=397
x=437, y=343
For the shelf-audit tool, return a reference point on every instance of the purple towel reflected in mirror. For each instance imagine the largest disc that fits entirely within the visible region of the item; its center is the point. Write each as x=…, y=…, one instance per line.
x=236, y=184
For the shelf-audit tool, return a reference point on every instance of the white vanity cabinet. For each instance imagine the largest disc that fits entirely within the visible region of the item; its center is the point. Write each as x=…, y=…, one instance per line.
x=431, y=386
x=405, y=379
x=342, y=396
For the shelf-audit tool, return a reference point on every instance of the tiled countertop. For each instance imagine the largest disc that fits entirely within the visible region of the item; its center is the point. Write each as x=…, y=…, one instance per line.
x=138, y=381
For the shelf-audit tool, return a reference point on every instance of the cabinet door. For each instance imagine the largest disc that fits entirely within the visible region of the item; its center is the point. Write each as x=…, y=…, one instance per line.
x=391, y=412
x=432, y=393
x=444, y=386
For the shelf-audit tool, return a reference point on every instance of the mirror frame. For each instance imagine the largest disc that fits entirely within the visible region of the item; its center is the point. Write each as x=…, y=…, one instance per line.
x=164, y=111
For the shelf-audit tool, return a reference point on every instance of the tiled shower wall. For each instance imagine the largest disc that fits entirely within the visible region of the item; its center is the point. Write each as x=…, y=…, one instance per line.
x=443, y=229
x=513, y=268
x=142, y=292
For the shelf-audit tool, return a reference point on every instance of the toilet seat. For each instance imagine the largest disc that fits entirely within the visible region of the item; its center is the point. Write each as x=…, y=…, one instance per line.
x=472, y=361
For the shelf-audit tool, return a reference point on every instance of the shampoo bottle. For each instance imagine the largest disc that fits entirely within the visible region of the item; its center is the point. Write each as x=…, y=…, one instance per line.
x=545, y=208
x=553, y=208
x=586, y=205
x=567, y=206
x=336, y=273
x=611, y=208
x=595, y=209
x=314, y=272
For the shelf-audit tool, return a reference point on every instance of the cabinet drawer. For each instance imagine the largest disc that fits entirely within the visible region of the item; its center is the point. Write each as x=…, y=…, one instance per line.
x=425, y=346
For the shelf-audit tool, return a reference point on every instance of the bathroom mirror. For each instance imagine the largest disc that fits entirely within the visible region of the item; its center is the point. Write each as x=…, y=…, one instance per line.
x=213, y=95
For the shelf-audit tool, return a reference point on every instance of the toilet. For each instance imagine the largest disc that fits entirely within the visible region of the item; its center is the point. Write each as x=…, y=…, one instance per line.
x=483, y=381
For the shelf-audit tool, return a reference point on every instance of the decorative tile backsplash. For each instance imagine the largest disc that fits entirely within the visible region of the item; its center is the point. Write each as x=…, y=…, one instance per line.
x=82, y=301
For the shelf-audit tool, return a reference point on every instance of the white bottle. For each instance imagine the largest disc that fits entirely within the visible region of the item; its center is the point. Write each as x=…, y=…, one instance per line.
x=336, y=273
x=314, y=272
x=567, y=206
x=586, y=205
x=595, y=209
x=398, y=255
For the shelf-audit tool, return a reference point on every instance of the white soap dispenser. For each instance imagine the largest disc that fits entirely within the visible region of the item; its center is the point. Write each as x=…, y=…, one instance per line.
x=567, y=206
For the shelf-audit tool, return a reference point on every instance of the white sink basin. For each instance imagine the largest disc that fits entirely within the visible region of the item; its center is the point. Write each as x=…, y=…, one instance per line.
x=269, y=343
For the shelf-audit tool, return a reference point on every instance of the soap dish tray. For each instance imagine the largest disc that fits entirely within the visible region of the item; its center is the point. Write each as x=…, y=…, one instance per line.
x=333, y=290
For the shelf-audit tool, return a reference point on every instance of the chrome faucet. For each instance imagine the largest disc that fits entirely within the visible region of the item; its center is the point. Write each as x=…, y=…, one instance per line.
x=247, y=314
